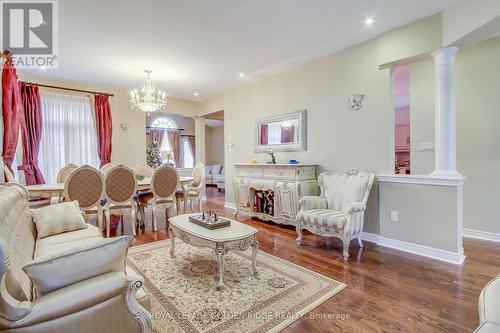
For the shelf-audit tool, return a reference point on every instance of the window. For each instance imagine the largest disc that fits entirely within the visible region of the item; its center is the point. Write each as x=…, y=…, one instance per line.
x=188, y=154
x=69, y=133
x=164, y=122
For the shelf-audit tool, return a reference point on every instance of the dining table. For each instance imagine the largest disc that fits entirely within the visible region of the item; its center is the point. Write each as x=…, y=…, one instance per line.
x=56, y=191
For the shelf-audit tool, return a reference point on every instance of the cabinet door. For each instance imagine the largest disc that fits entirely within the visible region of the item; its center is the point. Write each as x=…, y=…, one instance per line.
x=286, y=200
x=241, y=193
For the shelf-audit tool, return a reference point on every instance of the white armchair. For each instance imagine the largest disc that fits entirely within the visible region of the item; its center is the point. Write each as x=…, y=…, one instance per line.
x=340, y=209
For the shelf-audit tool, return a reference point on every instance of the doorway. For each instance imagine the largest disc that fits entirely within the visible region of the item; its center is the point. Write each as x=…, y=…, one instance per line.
x=214, y=157
x=402, y=144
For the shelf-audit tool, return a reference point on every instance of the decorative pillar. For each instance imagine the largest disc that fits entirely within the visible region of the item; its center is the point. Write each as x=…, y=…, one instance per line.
x=199, y=133
x=446, y=150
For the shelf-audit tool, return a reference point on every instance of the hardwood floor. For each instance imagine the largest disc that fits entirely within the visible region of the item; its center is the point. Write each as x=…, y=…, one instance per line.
x=387, y=290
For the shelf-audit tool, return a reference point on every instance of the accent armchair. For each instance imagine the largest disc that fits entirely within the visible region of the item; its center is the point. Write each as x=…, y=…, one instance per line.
x=340, y=209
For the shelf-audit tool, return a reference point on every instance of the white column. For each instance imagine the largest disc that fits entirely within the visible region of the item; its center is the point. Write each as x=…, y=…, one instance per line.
x=199, y=133
x=446, y=150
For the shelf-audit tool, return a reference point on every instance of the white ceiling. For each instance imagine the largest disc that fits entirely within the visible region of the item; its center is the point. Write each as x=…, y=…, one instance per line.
x=202, y=46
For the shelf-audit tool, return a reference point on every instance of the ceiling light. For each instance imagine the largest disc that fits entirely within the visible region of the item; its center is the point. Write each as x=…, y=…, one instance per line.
x=148, y=99
x=369, y=21
x=43, y=67
x=242, y=74
x=196, y=94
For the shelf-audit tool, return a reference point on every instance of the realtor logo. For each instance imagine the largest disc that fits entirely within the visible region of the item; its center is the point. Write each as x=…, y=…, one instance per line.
x=29, y=31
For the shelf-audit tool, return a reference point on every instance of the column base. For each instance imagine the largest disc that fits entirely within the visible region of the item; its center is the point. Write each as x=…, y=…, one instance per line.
x=447, y=174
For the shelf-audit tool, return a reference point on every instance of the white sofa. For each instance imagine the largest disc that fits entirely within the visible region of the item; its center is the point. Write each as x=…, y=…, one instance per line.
x=213, y=173
x=107, y=297
x=489, y=307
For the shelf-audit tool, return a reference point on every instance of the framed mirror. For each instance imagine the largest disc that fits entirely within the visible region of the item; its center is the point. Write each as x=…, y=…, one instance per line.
x=284, y=132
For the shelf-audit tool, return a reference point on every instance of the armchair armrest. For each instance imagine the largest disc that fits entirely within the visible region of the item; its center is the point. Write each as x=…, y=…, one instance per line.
x=355, y=206
x=312, y=202
x=488, y=304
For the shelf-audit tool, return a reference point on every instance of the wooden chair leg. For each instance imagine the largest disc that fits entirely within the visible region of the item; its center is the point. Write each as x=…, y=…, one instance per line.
x=199, y=204
x=191, y=205
x=132, y=220
x=108, y=222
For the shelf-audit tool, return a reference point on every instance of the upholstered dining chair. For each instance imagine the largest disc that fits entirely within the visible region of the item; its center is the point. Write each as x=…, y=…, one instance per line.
x=63, y=174
x=194, y=190
x=340, y=209
x=105, y=167
x=86, y=185
x=163, y=185
x=119, y=190
x=144, y=170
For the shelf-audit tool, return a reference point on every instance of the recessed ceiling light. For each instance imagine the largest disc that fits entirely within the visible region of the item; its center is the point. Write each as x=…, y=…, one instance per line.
x=242, y=74
x=43, y=67
x=196, y=94
x=369, y=21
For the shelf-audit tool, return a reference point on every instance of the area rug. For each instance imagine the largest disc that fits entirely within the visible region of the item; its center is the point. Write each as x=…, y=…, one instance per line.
x=184, y=297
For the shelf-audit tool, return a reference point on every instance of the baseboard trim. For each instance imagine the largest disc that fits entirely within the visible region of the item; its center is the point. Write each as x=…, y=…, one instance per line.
x=369, y=237
x=483, y=235
x=456, y=258
x=229, y=205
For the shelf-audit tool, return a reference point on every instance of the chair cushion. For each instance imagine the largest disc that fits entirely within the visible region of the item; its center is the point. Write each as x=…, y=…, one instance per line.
x=324, y=218
x=78, y=262
x=180, y=194
x=59, y=218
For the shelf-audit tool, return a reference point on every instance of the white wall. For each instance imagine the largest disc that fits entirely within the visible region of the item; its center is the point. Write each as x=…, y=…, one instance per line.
x=214, y=145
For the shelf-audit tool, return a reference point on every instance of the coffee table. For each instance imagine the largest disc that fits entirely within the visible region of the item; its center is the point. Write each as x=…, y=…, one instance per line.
x=238, y=236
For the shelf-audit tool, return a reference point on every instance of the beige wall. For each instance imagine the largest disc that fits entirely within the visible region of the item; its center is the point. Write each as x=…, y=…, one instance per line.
x=434, y=226
x=338, y=138
x=214, y=145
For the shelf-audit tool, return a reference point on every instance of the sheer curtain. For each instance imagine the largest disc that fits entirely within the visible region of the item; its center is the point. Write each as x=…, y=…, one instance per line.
x=68, y=135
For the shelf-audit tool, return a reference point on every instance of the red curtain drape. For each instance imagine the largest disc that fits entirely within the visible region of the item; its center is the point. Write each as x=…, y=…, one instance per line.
x=12, y=112
x=31, y=130
x=104, y=127
x=263, y=135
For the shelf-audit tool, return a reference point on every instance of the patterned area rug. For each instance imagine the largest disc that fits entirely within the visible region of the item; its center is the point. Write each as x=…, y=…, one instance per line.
x=184, y=297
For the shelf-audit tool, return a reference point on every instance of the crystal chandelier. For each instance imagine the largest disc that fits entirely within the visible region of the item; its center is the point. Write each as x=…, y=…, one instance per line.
x=148, y=100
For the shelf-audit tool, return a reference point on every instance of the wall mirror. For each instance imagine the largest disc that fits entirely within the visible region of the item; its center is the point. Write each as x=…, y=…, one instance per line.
x=284, y=132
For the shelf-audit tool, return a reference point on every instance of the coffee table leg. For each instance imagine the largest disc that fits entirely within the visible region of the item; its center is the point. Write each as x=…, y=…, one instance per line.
x=220, y=260
x=255, y=248
x=172, y=241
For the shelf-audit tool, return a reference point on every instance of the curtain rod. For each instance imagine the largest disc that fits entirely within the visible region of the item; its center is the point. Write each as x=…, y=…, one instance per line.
x=188, y=135
x=70, y=89
x=165, y=129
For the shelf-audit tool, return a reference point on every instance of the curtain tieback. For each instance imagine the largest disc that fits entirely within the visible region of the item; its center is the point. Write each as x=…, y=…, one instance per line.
x=26, y=168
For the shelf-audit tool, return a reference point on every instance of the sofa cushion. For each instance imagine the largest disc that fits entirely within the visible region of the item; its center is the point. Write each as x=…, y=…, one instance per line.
x=69, y=237
x=80, y=261
x=57, y=219
x=45, y=250
x=324, y=219
x=216, y=169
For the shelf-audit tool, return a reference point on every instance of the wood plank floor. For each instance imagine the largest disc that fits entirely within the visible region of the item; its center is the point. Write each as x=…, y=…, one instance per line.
x=387, y=290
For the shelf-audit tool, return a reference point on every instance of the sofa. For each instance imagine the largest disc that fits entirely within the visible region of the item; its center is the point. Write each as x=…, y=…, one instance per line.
x=73, y=281
x=489, y=307
x=213, y=173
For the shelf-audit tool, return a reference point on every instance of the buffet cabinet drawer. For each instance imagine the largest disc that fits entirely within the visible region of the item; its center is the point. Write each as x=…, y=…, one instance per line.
x=249, y=172
x=280, y=173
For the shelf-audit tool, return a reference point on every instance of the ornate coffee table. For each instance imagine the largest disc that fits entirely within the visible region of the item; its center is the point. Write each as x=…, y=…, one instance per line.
x=238, y=236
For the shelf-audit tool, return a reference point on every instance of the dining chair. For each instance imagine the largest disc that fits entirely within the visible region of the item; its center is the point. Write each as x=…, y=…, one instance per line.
x=105, y=167
x=144, y=170
x=86, y=185
x=33, y=201
x=163, y=186
x=194, y=190
x=119, y=190
x=63, y=174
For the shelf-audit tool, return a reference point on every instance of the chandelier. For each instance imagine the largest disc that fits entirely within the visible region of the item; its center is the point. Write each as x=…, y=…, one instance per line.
x=148, y=100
